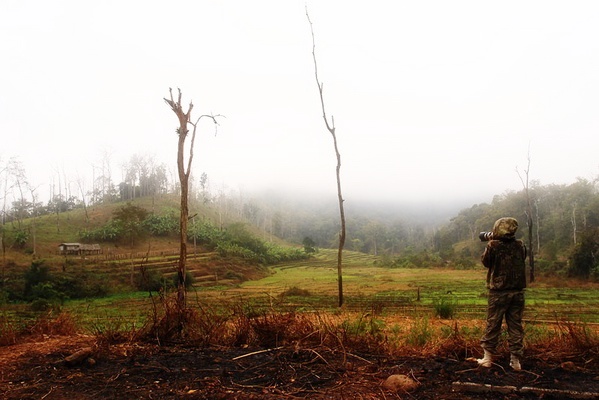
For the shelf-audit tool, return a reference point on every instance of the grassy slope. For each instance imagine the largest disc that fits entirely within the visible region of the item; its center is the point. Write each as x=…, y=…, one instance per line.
x=119, y=262
x=51, y=230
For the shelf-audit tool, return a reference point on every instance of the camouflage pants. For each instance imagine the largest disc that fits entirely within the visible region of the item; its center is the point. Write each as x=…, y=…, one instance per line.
x=508, y=304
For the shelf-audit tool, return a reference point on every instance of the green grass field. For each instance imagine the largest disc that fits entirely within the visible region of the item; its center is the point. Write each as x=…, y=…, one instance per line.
x=367, y=287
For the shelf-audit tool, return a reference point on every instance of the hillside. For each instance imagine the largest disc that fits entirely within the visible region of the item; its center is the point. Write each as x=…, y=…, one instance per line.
x=564, y=239
x=46, y=232
x=121, y=262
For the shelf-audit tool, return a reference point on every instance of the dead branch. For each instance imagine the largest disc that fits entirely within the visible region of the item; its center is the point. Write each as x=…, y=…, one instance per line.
x=257, y=352
x=331, y=128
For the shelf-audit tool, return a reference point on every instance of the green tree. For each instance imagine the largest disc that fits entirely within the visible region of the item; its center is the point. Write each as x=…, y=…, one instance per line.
x=585, y=256
x=309, y=245
x=21, y=237
x=162, y=225
x=36, y=274
x=375, y=233
x=130, y=218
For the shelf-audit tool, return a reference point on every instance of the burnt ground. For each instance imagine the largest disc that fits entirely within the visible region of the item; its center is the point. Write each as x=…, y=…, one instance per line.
x=38, y=370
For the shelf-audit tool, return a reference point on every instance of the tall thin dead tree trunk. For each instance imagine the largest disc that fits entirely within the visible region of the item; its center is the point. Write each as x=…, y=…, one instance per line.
x=529, y=220
x=331, y=129
x=574, y=227
x=184, y=171
x=538, y=226
x=3, y=226
x=34, y=223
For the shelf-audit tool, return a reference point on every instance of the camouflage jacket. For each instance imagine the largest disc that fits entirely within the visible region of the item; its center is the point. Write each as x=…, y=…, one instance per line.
x=504, y=260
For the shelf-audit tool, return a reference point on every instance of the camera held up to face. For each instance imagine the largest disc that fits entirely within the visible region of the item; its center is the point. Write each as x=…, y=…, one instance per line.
x=485, y=236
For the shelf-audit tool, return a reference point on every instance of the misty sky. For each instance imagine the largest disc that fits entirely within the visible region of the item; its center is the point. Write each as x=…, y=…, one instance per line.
x=433, y=101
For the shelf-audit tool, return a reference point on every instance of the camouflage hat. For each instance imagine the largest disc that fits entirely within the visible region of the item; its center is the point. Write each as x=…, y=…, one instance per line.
x=505, y=227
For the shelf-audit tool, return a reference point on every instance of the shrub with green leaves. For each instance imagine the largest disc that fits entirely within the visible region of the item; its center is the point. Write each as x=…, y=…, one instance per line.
x=364, y=325
x=295, y=291
x=81, y=284
x=189, y=280
x=275, y=254
x=237, y=241
x=464, y=263
x=21, y=237
x=126, y=225
x=37, y=273
x=228, y=249
x=239, y=235
x=445, y=307
x=583, y=259
x=40, y=284
x=206, y=234
x=413, y=259
x=112, y=232
x=149, y=281
x=309, y=245
x=162, y=224
x=420, y=333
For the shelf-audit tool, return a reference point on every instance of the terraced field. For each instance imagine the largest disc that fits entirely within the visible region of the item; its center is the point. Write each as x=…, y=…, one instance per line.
x=406, y=291
x=311, y=285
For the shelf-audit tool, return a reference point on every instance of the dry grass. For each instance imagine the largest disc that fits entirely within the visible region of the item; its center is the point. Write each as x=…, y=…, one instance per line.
x=62, y=324
x=9, y=331
x=47, y=324
x=353, y=333
x=349, y=333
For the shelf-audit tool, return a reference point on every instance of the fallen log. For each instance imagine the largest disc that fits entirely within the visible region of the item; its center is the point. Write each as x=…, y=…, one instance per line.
x=540, y=392
x=79, y=356
x=482, y=388
x=566, y=394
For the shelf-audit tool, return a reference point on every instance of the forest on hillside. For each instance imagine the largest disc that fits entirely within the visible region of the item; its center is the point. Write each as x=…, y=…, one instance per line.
x=565, y=218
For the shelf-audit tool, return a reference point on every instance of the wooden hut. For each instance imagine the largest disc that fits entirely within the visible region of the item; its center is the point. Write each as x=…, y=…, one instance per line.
x=79, y=248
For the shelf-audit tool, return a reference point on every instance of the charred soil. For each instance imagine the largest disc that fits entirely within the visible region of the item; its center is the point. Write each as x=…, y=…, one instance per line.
x=39, y=369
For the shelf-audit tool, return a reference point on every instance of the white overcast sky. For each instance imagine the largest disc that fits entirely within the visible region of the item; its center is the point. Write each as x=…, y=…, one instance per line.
x=433, y=100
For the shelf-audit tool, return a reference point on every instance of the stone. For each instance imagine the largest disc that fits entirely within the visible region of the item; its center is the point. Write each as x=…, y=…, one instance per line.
x=400, y=383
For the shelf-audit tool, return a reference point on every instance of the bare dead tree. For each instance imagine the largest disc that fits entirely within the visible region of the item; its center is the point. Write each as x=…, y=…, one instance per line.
x=57, y=199
x=34, y=209
x=17, y=170
x=574, y=226
x=529, y=221
x=538, y=225
x=4, y=182
x=331, y=128
x=184, y=170
x=81, y=186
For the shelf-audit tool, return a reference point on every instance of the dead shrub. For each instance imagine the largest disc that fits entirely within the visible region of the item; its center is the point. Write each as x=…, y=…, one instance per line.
x=206, y=326
x=361, y=333
x=203, y=324
x=276, y=329
x=240, y=330
x=270, y=329
x=295, y=291
x=49, y=324
x=267, y=328
x=113, y=331
x=9, y=331
x=578, y=336
x=167, y=320
x=454, y=344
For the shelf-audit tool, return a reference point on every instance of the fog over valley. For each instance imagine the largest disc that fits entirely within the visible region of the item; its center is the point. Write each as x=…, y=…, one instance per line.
x=437, y=106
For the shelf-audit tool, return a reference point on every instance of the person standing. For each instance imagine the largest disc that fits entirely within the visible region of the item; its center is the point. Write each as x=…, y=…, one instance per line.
x=504, y=257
